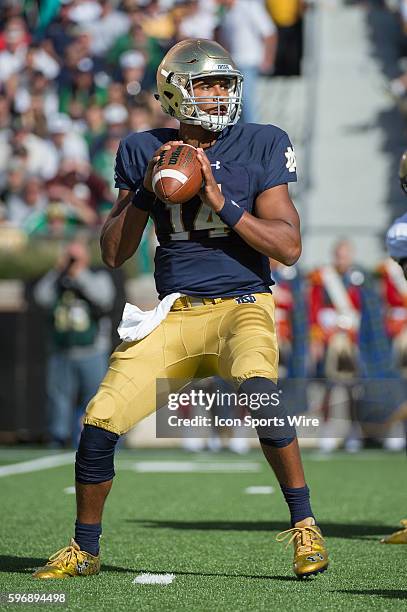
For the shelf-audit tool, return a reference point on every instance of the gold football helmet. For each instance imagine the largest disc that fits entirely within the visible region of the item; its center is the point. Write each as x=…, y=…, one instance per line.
x=188, y=61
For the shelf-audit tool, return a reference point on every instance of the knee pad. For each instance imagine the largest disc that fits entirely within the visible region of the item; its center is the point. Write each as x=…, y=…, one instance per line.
x=273, y=428
x=94, y=459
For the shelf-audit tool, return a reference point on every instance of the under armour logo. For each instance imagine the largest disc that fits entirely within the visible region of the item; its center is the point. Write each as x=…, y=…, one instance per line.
x=216, y=165
x=315, y=558
x=245, y=299
x=291, y=161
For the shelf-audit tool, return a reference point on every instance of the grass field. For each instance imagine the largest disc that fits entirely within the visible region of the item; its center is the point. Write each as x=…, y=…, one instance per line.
x=218, y=541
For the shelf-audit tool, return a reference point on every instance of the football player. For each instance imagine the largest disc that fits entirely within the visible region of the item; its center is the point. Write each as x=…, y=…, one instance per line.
x=397, y=248
x=212, y=276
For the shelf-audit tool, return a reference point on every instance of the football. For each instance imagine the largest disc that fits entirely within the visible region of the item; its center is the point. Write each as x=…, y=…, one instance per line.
x=177, y=176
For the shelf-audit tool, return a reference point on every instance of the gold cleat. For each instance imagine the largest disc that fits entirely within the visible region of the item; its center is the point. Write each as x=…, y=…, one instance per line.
x=310, y=554
x=398, y=537
x=69, y=562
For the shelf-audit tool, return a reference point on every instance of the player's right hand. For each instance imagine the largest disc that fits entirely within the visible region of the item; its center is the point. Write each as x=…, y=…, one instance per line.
x=147, y=183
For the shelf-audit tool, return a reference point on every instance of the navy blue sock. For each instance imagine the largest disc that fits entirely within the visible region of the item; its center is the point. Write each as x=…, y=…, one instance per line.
x=298, y=502
x=87, y=536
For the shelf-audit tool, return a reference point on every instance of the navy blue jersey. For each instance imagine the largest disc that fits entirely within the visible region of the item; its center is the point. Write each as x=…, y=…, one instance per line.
x=197, y=253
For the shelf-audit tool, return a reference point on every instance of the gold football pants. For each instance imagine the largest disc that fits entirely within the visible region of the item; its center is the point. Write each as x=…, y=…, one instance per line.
x=235, y=341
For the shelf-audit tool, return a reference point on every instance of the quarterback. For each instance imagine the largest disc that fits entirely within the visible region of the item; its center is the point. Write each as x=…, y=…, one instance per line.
x=213, y=252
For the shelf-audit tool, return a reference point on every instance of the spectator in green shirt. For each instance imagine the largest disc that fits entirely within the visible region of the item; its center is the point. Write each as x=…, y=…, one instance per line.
x=82, y=89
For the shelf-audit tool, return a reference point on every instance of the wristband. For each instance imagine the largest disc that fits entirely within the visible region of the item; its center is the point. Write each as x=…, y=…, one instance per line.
x=230, y=213
x=143, y=199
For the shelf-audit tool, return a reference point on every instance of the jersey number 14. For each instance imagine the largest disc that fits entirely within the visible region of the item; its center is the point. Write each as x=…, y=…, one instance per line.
x=206, y=219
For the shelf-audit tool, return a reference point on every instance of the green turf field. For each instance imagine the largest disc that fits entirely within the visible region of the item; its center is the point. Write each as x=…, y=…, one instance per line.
x=218, y=541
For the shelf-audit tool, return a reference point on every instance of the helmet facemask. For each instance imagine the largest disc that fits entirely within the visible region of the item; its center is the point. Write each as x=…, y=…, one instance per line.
x=188, y=106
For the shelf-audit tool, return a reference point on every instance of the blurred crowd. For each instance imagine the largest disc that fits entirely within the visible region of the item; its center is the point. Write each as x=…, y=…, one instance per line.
x=341, y=321
x=78, y=75
x=345, y=327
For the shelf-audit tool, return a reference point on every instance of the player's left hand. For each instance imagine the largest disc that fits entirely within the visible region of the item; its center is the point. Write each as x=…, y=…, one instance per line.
x=210, y=193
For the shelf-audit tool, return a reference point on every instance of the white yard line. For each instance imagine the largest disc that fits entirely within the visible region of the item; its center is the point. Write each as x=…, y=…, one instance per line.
x=51, y=461
x=203, y=467
x=162, y=579
x=37, y=465
x=259, y=490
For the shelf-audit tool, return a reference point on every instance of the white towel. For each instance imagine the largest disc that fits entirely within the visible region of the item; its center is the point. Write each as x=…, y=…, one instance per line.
x=137, y=324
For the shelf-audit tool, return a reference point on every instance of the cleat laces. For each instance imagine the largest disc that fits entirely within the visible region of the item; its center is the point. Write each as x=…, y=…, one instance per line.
x=65, y=556
x=304, y=538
